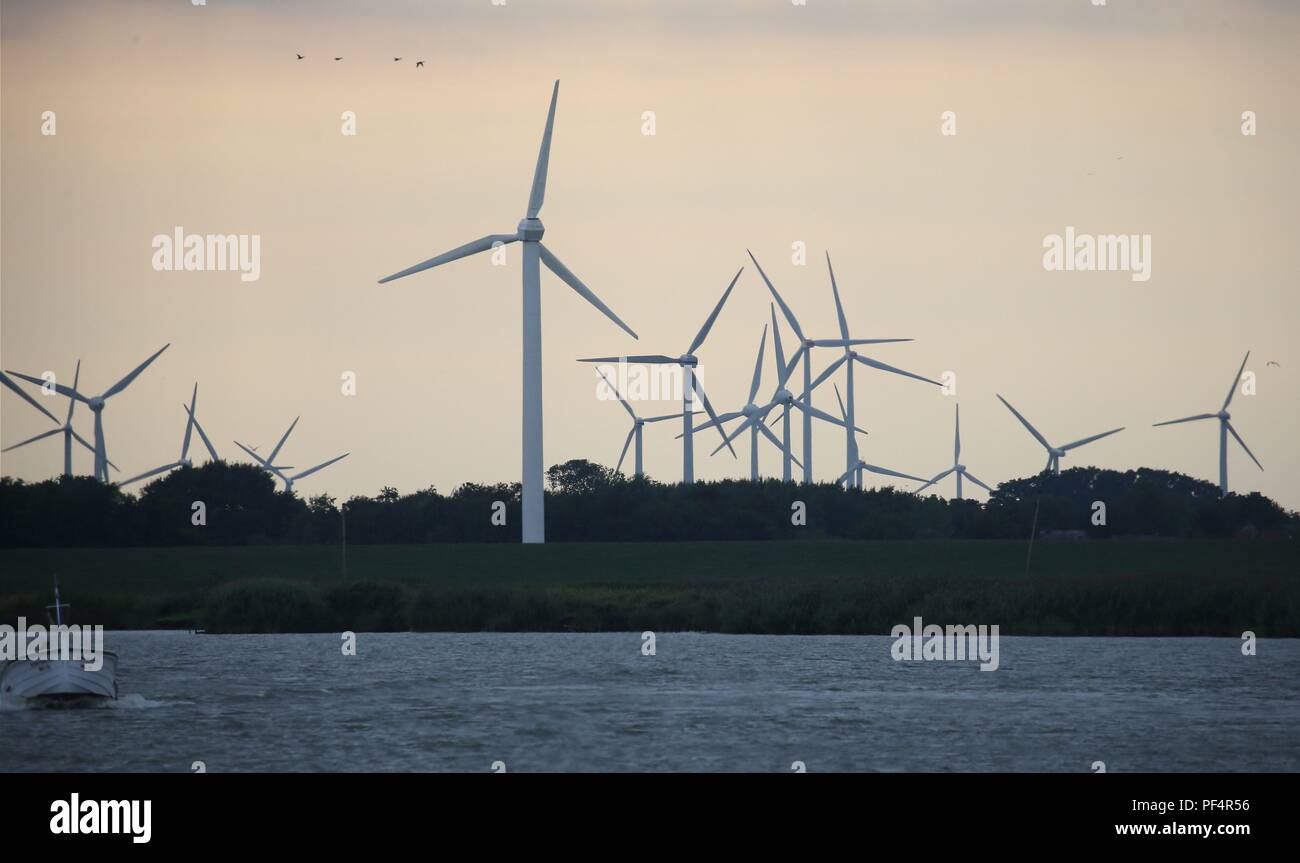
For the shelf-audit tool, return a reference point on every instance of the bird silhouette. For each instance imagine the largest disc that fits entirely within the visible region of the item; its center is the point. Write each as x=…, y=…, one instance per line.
x=396, y=59
x=299, y=56
x=1274, y=363
x=419, y=63
x=338, y=58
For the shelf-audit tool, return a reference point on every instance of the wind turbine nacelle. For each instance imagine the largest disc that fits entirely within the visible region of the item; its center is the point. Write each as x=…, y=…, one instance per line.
x=531, y=230
x=1057, y=453
x=689, y=360
x=96, y=403
x=749, y=410
x=1224, y=415
x=783, y=395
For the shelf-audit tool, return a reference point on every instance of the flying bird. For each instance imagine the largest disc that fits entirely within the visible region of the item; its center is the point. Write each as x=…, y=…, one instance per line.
x=1274, y=363
x=299, y=56
x=419, y=63
x=396, y=59
x=338, y=58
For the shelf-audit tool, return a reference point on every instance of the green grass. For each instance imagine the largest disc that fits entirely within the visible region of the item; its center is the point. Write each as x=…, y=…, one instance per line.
x=1118, y=587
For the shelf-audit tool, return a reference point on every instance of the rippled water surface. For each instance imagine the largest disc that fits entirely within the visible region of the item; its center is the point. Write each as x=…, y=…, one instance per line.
x=443, y=701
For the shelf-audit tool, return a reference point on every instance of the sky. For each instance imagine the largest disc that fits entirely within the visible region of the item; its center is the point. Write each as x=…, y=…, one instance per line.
x=774, y=124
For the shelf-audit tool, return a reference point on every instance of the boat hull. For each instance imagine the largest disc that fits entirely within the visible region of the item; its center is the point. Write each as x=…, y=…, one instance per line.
x=59, y=680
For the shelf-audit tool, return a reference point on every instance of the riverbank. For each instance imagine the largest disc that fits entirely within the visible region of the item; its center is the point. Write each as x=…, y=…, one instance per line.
x=1115, y=587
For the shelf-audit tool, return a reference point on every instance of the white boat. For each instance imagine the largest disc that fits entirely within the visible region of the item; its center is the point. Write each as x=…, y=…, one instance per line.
x=52, y=681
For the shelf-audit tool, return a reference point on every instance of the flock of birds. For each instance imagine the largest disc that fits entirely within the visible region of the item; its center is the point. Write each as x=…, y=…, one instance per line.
x=419, y=64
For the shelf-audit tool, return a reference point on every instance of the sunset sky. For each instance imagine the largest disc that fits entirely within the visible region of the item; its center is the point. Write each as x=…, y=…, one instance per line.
x=775, y=124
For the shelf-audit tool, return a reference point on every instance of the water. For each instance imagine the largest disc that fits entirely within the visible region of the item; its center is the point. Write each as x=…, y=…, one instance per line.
x=592, y=702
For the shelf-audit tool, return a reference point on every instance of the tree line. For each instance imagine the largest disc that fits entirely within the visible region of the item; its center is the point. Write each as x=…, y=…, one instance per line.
x=589, y=502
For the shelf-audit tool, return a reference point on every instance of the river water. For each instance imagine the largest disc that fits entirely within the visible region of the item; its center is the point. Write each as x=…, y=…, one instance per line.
x=594, y=702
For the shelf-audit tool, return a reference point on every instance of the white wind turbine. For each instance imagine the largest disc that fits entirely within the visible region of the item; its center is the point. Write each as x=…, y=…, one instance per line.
x=1056, y=453
x=756, y=416
x=1225, y=429
x=851, y=356
x=957, y=467
x=690, y=383
x=69, y=434
x=271, y=467
x=805, y=351
x=96, y=405
x=638, y=424
x=191, y=425
x=854, y=472
x=529, y=232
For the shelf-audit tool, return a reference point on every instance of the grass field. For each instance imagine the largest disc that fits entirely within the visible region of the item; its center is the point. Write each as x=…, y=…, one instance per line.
x=1118, y=587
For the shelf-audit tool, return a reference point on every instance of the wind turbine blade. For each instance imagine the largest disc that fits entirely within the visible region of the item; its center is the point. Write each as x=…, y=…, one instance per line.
x=752, y=419
x=1090, y=439
x=1233, y=432
x=270, y=459
x=846, y=476
x=839, y=307
x=627, y=407
x=566, y=275
x=652, y=359
x=884, y=471
x=135, y=373
x=1233, y=389
x=72, y=403
x=718, y=421
x=263, y=462
x=794, y=361
x=885, y=367
x=626, y=443
x=5, y=379
x=150, y=473
x=778, y=353
x=1186, y=420
x=1033, y=431
x=936, y=478
x=956, y=446
x=843, y=413
x=758, y=367
x=81, y=440
x=538, y=194
x=482, y=244
x=311, y=470
x=785, y=310
x=972, y=478
x=845, y=343
x=820, y=379
x=203, y=436
x=699, y=390
x=189, y=429
x=776, y=442
x=32, y=439
x=713, y=316
x=675, y=416
x=822, y=415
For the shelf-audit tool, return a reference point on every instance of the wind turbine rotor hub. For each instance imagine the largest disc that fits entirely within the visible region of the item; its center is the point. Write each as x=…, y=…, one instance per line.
x=531, y=230
x=688, y=360
x=1224, y=415
x=1059, y=453
x=783, y=395
x=96, y=404
x=961, y=468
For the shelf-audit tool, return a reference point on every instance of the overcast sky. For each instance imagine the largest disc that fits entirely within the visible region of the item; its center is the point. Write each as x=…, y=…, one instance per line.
x=775, y=124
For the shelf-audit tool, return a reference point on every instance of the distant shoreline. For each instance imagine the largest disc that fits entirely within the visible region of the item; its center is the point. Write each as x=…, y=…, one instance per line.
x=1202, y=587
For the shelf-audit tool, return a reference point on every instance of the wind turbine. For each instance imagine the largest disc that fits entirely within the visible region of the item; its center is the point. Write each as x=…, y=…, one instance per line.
x=529, y=232
x=191, y=424
x=957, y=467
x=96, y=405
x=854, y=472
x=1055, y=453
x=851, y=356
x=1225, y=429
x=638, y=423
x=805, y=351
x=755, y=416
x=8, y=381
x=69, y=434
x=690, y=383
x=270, y=466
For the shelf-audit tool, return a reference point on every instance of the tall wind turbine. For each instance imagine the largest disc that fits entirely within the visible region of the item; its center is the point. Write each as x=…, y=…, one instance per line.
x=850, y=357
x=854, y=473
x=805, y=351
x=529, y=232
x=191, y=425
x=957, y=467
x=690, y=383
x=1225, y=429
x=756, y=416
x=638, y=423
x=1056, y=453
x=96, y=405
x=69, y=434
